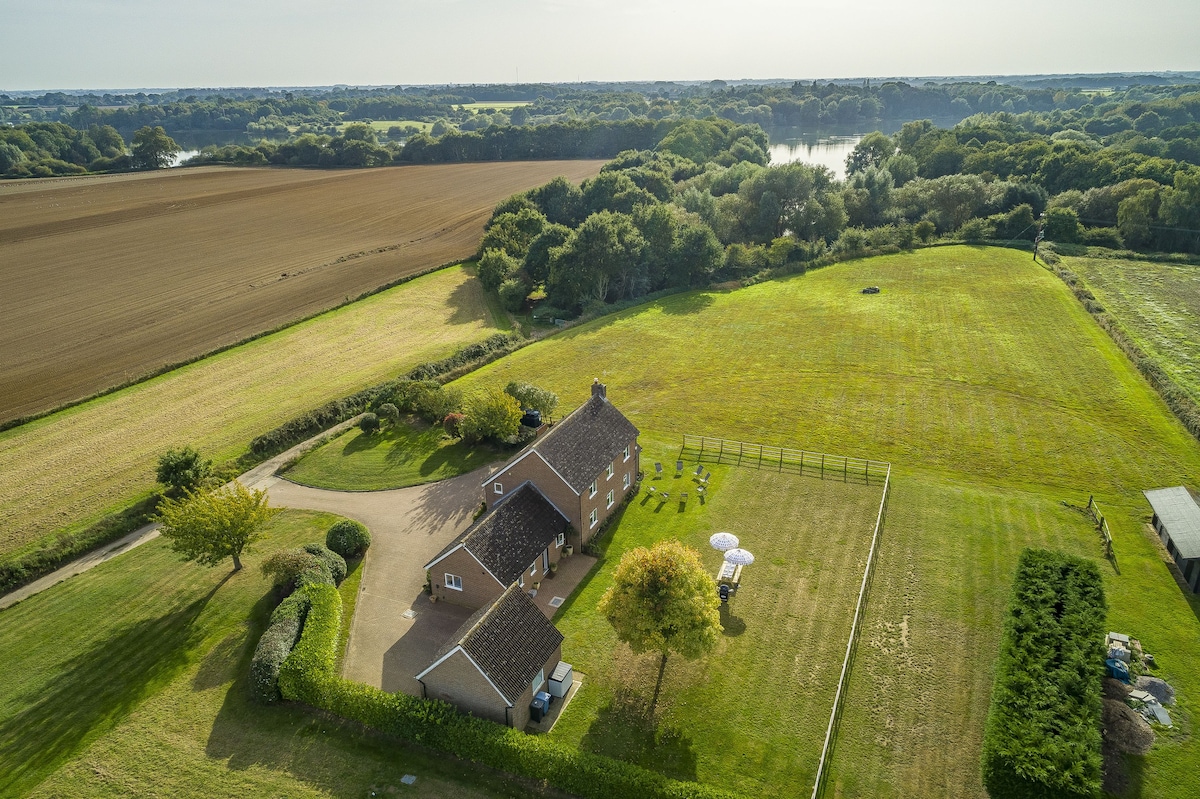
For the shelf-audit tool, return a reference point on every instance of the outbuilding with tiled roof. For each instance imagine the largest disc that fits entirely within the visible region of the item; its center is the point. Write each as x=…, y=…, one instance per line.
x=492, y=666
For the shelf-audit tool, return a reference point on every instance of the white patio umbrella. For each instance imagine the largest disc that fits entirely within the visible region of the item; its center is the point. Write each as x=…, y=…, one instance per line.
x=723, y=541
x=740, y=557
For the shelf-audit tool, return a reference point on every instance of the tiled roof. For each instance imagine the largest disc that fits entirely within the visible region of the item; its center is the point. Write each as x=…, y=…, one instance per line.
x=1178, y=512
x=512, y=534
x=510, y=640
x=585, y=442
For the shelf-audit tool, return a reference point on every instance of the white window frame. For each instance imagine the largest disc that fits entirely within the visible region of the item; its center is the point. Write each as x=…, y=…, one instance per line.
x=498, y=488
x=594, y=518
x=625, y=481
x=453, y=582
x=626, y=454
x=539, y=680
x=592, y=489
x=609, y=472
x=533, y=569
x=610, y=499
x=562, y=539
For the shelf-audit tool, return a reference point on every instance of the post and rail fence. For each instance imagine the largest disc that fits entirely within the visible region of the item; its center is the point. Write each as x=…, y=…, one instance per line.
x=1101, y=525
x=797, y=461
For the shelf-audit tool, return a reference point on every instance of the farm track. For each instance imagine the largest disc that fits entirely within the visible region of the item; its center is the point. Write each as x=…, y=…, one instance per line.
x=109, y=278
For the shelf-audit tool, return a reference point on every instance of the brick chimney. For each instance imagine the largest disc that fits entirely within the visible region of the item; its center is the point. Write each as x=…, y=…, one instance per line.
x=599, y=390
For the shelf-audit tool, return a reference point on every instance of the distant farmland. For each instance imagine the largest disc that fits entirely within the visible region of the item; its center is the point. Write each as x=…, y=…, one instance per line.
x=108, y=278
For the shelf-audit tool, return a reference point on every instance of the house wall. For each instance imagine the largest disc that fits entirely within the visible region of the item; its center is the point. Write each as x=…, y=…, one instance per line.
x=478, y=587
x=604, y=484
x=520, y=711
x=457, y=681
x=535, y=470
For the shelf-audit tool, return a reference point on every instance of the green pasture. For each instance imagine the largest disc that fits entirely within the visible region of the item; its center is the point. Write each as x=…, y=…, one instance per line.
x=407, y=453
x=67, y=470
x=1157, y=304
x=130, y=680
x=1001, y=405
x=382, y=125
x=751, y=715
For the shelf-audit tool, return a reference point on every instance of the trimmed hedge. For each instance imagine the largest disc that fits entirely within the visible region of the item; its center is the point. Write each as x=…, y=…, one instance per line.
x=308, y=676
x=348, y=538
x=1043, y=729
x=275, y=645
x=492, y=347
x=329, y=559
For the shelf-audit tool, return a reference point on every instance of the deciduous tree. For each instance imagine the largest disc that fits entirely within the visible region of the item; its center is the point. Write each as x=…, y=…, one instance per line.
x=662, y=600
x=209, y=526
x=153, y=148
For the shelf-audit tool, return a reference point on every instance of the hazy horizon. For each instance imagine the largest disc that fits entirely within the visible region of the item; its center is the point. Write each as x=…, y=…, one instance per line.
x=93, y=44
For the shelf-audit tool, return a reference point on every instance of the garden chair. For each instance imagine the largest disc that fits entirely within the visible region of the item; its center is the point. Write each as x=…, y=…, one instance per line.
x=678, y=468
x=699, y=470
x=658, y=469
x=663, y=496
x=704, y=480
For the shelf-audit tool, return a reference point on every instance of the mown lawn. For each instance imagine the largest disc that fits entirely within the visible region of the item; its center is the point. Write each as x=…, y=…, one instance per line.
x=100, y=456
x=1157, y=304
x=407, y=453
x=130, y=681
x=1000, y=404
x=759, y=703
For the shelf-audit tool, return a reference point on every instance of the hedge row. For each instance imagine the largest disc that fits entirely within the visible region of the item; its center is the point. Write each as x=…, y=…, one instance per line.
x=1179, y=401
x=1043, y=730
x=22, y=568
x=275, y=645
x=473, y=355
x=308, y=676
x=304, y=427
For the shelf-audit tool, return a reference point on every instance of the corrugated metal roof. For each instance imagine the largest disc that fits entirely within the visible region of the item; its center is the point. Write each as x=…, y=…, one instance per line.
x=1179, y=513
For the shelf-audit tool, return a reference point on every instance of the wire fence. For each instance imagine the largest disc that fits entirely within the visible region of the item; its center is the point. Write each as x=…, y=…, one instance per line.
x=796, y=461
x=835, y=715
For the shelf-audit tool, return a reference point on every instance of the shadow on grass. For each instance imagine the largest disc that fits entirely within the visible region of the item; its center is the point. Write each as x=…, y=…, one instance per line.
x=733, y=626
x=626, y=730
x=93, y=692
x=686, y=304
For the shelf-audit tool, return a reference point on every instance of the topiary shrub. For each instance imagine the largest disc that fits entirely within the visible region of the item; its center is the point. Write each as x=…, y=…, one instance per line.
x=369, y=423
x=275, y=645
x=329, y=559
x=348, y=538
x=285, y=567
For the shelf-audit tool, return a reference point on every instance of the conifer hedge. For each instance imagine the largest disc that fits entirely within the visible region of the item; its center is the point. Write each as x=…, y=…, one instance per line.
x=1043, y=730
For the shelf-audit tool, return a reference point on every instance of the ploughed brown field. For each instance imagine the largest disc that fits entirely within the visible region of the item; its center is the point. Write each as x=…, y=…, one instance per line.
x=105, y=279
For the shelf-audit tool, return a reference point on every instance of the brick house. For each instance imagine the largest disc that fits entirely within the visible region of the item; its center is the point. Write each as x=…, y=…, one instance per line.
x=492, y=666
x=584, y=465
x=512, y=544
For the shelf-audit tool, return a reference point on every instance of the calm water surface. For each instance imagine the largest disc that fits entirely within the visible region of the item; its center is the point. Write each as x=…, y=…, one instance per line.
x=826, y=151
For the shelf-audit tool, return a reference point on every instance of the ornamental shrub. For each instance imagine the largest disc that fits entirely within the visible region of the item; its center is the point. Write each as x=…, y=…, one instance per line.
x=286, y=566
x=331, y=560
x=388, y=411
x=369, y=423
x=348, y=538
x=1043, y=729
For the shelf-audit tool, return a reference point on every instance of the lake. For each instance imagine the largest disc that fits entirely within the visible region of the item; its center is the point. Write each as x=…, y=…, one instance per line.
x=829, y=151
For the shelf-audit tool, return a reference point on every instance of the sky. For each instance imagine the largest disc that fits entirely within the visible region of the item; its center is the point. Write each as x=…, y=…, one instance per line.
x=125, y=44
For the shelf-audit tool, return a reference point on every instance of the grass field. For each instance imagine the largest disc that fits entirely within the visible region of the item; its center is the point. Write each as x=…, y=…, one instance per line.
x=1000, y=404
x=381, y=125
x=66, y=470
x=408, y=453
x=499, y=106
x=1157, y=304
x=130, y=681
x=109, y=278
x=751, y=715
